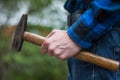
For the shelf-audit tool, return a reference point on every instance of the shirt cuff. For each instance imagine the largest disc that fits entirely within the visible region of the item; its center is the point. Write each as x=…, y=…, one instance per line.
x=77, y=40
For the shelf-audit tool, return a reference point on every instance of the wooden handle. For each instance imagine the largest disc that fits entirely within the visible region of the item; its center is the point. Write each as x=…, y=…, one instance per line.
x=98, y=60
x=83, y=55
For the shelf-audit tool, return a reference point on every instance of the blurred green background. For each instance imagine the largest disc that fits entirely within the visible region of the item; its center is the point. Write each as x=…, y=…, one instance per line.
x=43, y=16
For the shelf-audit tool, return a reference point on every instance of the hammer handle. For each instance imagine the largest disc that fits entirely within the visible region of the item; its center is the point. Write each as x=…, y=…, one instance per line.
x=83, y=55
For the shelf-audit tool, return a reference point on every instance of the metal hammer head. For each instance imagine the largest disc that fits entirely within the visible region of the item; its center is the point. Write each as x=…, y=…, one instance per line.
x=18, y=34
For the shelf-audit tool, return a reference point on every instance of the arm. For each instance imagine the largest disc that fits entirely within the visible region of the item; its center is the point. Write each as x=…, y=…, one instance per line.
x=94, y=23
x=82, y=33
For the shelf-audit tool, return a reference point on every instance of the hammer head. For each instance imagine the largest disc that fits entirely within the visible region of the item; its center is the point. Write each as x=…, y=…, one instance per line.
x=18, y=34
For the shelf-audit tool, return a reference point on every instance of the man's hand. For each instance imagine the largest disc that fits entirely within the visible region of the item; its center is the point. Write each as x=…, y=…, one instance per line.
x=59, y=44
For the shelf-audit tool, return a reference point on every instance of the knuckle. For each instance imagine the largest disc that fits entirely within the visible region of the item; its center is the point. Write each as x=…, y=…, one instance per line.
x=51, y=49
x=62, y=57
x=50, y=52
x=57, y=53
x=55, y=30
x=47, y=42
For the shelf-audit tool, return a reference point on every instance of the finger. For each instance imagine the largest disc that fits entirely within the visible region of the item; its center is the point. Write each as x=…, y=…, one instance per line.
x=44, y=47
x=65, y=55
x=62, y=57
x=52, y=49
x=58, y=52
x=51, y=33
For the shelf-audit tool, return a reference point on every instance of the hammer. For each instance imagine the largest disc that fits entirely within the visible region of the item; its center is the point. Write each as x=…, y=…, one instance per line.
x=21, y=35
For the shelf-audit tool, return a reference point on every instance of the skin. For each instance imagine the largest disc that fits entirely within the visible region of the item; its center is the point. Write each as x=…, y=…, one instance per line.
x=59, y=44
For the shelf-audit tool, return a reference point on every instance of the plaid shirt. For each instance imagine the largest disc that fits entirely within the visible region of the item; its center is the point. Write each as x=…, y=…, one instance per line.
x=97, y=19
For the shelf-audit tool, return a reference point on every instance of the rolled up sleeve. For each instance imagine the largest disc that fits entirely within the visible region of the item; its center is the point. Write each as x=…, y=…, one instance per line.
x=96, y=21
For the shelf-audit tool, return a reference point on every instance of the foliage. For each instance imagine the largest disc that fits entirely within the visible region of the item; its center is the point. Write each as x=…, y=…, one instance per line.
x=35, y=5
x=38, y=5
x=30, y=63
x=10, y=7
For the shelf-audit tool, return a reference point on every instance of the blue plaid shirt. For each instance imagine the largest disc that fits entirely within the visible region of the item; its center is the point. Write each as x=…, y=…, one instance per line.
x=97, y=19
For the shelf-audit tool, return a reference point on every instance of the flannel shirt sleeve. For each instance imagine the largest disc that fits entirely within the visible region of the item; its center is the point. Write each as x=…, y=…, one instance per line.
x=96, y=21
